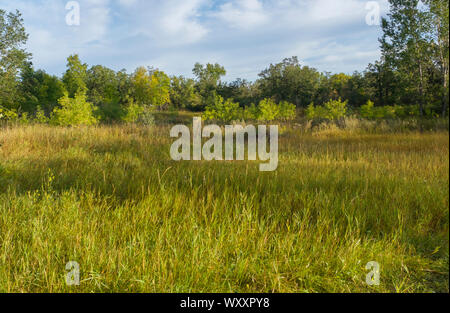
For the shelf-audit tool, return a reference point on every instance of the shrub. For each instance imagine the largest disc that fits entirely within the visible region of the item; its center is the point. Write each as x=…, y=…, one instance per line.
x=332, y=110
x=269, y=110
x=369, y=111
x=287, y=110
x=224, y=111
x=14, y=117
x=146, y=117
x=133, y=111
x=39, y=116
x=136, y=113
x=74, y=111
x=251, y=112
x=8, y=115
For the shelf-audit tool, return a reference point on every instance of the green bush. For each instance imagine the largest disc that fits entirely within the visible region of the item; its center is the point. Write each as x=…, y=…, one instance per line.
x=146, y=117
x=40, y=117
x=14, y=117
x=269, y=110
x=136, y=113
x=224, y=111
x=332, y=110
x=371, y=112
x=8, y=115
x=74, y=111
x=133, y=111
x=287, y=110
x=251, y=112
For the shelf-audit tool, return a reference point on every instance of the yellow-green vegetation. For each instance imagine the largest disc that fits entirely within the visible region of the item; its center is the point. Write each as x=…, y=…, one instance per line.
x=110, y=198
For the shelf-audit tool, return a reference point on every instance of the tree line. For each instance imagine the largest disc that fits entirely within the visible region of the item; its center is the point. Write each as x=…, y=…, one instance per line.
x=411, y=77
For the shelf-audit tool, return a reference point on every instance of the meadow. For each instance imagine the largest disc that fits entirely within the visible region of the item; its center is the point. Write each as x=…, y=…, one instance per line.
x=111, y=199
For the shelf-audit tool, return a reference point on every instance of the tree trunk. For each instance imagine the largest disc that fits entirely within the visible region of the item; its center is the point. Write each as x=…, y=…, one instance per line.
x=421, y=89
x=444, y=69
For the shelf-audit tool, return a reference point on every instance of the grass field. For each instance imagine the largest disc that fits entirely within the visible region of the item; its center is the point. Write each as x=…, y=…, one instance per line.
x=111, y=199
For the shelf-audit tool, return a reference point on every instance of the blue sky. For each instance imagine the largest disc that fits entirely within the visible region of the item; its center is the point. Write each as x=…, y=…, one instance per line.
x=243, y=35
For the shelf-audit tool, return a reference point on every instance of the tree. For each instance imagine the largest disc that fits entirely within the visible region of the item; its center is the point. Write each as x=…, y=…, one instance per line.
x=75, y=78
x=39, y=89
x=12, y=57
x=151, y=87
x=140, y=81
x=103, y=91
x=289, y=81
x=240, y=90
x=159, y=89
x=208, y=79
x=406, y=44
x=183, y=93
x=439, y=10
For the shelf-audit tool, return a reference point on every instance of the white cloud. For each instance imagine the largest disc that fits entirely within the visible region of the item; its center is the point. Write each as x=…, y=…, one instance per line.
x=243, y=13
x=243, y=35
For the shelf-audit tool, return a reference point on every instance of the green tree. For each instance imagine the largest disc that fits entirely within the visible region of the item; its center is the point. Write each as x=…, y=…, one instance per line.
x=406, y=44
x=208, y=80
x=289, y=81
x=39, y=89
x=141, y=86
x=103, y=92
x=12, y=57
x=439, y=10
x=75, y=77
x=151, y=88
x=159, y=89
x=183, y=93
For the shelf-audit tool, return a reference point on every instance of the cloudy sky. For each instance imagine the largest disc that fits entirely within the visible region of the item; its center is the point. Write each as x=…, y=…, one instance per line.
x=243, y=35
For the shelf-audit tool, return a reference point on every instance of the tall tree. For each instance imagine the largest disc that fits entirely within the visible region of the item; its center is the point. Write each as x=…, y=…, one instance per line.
x=439, y=10
x=208, y=79
x=183, y=93
x=75, y=77
x=151, y=87
x=406, y=44
x=289, y=81
x=39, y=89
x=12, y=57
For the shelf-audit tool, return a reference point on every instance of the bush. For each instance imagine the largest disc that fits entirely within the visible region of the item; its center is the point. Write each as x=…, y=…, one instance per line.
x=224, y=111
x=14, y=117
x=74, y=111
x=39, y=116
x=146, y=117
x=287, y=110
x=333, y=110
x=133, y=111
x=251, y=112
x=136, y=113
x=369, y=111
x=269, y=110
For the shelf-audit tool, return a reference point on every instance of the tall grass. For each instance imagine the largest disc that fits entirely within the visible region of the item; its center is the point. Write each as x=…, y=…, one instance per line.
x=111, y=199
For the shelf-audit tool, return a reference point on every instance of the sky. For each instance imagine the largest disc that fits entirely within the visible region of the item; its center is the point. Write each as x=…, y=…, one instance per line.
x=245, y=36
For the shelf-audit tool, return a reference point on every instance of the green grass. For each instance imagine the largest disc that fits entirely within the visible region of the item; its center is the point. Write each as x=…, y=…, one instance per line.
x=111, y=199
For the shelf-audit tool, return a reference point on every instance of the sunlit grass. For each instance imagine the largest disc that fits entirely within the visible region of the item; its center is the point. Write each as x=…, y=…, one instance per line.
x=111, y=199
